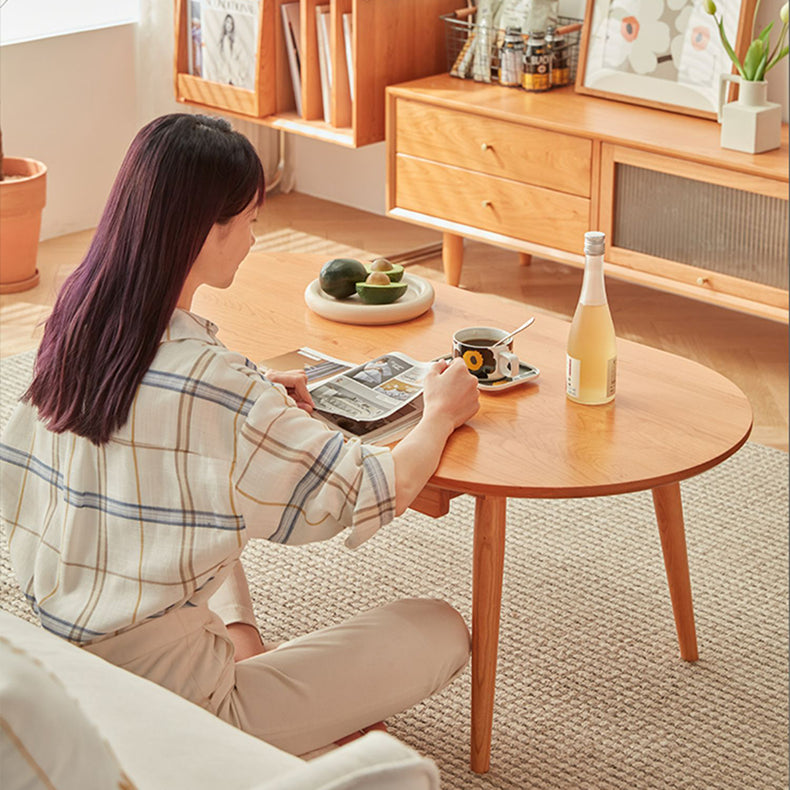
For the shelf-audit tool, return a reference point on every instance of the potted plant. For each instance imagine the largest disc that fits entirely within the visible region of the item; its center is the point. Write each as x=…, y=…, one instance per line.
x=751, y=124
x=23, y=191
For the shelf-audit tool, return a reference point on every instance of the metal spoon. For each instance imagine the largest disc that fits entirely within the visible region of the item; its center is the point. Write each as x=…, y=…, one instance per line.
x=507, y=338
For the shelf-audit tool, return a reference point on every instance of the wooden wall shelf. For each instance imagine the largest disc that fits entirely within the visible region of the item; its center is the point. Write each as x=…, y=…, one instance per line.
x=393, y=41
x=533, y=171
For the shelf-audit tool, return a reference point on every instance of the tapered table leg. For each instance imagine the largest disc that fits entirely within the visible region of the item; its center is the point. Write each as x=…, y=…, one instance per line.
x=669, y=514
x=452, y=257
x=489, y=558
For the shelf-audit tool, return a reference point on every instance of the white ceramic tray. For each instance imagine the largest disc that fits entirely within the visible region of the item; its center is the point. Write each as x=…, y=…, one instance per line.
x=417, y=299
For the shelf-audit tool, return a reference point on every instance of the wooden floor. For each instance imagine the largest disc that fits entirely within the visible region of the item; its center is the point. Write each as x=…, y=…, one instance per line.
x=752, y=352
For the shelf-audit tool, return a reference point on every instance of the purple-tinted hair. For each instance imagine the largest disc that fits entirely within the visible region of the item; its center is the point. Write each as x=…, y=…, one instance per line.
x=181, y=175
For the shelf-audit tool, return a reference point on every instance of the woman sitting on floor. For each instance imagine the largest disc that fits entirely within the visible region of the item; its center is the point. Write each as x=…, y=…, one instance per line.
x=145, y=455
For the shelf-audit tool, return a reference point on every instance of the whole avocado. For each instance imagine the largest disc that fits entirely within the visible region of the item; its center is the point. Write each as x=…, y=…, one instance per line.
x=339, y=277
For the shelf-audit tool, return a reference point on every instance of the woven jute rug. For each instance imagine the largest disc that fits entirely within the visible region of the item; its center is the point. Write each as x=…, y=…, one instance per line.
x=590, y=692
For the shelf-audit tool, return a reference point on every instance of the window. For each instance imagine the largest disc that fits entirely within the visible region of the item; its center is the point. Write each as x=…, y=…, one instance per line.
x=28, y=20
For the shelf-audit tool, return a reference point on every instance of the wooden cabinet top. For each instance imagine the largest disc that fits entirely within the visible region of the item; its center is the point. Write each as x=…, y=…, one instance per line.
x=610, y=121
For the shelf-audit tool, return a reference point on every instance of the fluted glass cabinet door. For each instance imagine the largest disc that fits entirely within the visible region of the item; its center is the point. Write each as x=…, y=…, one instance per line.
x=716, y=230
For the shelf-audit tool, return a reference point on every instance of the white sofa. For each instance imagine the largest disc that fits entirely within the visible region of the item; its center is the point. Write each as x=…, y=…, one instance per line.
x=72, y=719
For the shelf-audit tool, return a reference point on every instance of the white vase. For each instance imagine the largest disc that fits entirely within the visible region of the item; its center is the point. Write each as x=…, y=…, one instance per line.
x=751, y=124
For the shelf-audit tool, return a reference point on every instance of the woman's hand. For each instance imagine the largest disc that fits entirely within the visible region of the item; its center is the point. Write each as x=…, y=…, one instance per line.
x=450, y=392
x=295, y=383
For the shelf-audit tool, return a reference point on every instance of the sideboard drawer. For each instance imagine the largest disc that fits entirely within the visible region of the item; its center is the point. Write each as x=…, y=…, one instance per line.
x=499, y=148
x=498, y=205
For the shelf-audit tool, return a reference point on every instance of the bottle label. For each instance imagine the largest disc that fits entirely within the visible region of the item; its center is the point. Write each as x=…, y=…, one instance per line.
x=573, y=373
x=611, y=376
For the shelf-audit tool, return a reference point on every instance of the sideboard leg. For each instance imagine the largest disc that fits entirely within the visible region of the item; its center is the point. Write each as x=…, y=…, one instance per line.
x=524, y=259
x=452, y=257
x=669, y=515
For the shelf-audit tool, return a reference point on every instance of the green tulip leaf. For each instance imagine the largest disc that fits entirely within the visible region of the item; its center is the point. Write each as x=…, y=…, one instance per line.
x=752, y=60
x=728, y=48
x=765, y=33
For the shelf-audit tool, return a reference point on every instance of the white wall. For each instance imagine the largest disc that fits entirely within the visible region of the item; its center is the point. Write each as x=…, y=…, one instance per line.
x=70, y=101
x=75, y=102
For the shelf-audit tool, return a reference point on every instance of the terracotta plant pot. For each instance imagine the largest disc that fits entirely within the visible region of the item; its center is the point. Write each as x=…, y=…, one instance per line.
x=21, y=203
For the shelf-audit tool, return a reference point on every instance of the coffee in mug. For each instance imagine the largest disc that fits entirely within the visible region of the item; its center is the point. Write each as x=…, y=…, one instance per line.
x=475, y=345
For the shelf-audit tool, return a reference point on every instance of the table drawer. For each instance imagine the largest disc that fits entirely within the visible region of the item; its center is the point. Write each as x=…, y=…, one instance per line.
x=523, y=153
x=498, y=205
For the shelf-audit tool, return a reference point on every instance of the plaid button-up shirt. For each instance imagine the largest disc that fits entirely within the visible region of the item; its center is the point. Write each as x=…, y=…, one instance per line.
x=211, y=455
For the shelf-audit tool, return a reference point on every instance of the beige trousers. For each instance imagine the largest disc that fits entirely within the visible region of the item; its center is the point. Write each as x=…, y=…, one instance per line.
x=309, y=691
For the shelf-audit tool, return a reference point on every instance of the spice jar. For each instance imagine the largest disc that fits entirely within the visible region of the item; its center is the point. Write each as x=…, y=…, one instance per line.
x=511, y=57
x=536, y=75
x=560, y=73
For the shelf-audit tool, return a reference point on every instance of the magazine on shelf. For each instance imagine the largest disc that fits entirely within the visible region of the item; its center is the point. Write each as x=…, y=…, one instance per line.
x=379, y=400
x=229, y=40
x=324, y=58
x=194, y=38
x=291, y=15
x=348, y=31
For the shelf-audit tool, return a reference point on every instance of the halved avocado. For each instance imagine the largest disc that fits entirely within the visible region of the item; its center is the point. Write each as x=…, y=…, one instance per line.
x=395, y=273
x=339, y=276
x=381, y=294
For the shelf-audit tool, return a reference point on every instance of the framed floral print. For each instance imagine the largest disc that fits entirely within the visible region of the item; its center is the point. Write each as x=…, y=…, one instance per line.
x=659, y=53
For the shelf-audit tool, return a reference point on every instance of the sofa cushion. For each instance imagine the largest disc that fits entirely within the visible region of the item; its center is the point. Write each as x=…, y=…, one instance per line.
x=46, y=740
x=160, y=739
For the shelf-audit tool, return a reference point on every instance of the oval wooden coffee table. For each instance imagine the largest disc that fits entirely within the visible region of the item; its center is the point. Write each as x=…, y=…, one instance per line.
x=671, y=419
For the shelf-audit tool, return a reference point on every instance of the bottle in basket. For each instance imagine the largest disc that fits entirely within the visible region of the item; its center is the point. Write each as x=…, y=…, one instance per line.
x=560, y=67
x=536, y=75
x=511, y=57
x=591, y=363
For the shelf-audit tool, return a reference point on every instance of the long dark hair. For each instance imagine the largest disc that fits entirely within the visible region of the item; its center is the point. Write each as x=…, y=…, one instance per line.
x=181, y=175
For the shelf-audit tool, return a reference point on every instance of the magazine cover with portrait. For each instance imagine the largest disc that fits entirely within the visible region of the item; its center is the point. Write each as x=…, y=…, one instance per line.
x=229, y=34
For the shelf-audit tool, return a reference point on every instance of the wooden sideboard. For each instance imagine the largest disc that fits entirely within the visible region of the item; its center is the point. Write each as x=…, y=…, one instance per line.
x=533, y=171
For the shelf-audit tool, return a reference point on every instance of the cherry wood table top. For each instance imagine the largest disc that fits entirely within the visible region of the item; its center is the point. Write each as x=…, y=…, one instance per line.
x=671, y=418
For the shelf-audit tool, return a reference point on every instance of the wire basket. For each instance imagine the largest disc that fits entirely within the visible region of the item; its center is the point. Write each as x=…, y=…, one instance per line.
x=460, y=35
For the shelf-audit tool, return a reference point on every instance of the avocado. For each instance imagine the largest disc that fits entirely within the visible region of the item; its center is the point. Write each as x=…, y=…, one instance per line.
x=370, y=293
x=393, y=270
x=339, y=276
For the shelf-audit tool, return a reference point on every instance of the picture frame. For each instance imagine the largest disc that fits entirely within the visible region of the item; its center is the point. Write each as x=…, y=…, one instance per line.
x=660, y=53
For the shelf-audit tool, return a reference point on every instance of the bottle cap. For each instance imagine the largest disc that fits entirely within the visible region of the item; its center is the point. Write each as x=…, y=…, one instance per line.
x=594, y=242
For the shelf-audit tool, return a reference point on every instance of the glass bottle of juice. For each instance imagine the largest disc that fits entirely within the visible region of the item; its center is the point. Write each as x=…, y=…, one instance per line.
x=591, y=364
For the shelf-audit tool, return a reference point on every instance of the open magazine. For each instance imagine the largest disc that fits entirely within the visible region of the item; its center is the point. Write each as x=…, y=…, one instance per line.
x=376, y=401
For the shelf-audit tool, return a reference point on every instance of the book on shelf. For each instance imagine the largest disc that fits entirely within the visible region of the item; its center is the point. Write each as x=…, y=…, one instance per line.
x=229, y=40
x=291, y=16
x=348, y=32
x=322, y=18
x=194, y=39
x=377, y=401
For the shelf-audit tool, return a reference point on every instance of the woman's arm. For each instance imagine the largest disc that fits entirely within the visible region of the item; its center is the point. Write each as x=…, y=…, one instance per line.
x=450, y=399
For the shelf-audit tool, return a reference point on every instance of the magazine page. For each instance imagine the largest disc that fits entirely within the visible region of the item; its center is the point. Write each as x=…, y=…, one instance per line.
x=229, y=36
x=372, y=391
x=317, y=365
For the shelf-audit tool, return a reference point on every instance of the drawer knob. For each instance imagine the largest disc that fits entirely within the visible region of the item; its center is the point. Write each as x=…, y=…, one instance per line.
x=486, y=203
x=485, y=146
x=703, y=281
